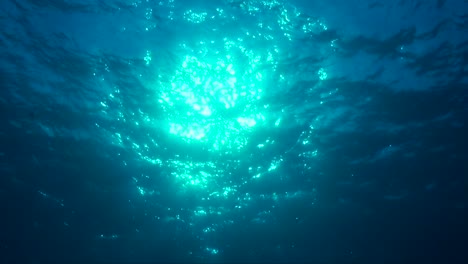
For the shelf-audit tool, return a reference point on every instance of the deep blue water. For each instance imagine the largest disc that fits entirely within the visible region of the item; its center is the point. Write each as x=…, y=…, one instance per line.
x=233, y=131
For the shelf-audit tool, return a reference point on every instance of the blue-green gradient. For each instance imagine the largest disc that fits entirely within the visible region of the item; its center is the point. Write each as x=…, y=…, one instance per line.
x=325, y=131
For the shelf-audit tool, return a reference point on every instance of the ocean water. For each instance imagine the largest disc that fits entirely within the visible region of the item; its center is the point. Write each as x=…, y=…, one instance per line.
x=232, y=131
